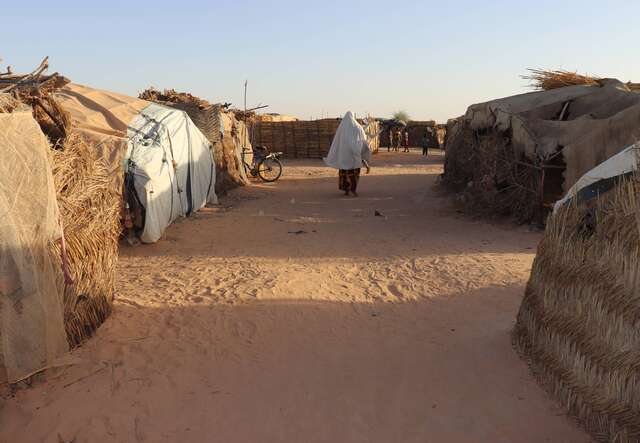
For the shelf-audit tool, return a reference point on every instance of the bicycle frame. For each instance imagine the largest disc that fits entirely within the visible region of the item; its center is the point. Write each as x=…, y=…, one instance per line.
x=247, y=167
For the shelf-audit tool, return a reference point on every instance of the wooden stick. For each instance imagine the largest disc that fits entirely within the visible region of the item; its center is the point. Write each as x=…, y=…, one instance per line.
x=51, y=116
x=44, y=65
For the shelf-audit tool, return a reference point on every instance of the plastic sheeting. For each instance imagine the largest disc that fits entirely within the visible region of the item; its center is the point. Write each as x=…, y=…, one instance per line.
x=619, y=165
x=32, y=332
x=349, y=146
x=172, y=165
x=598, y=122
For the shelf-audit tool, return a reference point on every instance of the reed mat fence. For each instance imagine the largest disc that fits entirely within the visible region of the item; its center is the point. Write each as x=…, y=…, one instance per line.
x=296, y=139
x=303, y=139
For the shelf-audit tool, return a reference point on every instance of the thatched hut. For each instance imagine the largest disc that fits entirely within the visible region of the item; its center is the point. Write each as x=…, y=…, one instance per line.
x=517, y=155
x=91, y=132
x=579, y=323
x=85, y=165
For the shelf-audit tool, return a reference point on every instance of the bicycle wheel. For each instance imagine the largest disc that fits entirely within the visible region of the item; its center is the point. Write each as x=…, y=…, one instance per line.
x=270, y=169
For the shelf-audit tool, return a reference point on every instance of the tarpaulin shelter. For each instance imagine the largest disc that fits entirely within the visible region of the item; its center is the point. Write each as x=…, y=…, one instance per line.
x=603, y=177
x=227, y=134
x=518, y=155
x=170, y=166
x=168, y=161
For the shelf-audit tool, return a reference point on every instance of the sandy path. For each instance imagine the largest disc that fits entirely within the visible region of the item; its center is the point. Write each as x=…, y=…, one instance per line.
x=236, y=328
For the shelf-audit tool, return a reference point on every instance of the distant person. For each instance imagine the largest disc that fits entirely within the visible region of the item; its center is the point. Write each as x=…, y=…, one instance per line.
x=390, y=140
x=349, y=153
x=398, y=141
x=425, y=144
x=405, y=140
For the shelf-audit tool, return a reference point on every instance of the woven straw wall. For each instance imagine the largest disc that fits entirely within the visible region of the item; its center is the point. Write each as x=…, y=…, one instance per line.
x=579, y=323
x=89, y=189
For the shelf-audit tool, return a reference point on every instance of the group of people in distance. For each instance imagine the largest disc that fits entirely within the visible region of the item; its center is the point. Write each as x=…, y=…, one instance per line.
x=400, y=138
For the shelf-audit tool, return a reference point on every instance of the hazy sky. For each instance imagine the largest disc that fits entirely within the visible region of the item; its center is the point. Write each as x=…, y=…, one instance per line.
x=314, y=59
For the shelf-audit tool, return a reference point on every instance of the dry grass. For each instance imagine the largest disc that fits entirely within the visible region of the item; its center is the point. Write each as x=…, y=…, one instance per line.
x=579, y=323
x=484, y=170
x=90, y=200
x=172, y=96
x=546, y=80
x=8, y=104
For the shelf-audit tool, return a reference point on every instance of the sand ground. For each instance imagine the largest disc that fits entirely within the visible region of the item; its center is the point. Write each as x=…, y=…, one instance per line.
x=294, y=314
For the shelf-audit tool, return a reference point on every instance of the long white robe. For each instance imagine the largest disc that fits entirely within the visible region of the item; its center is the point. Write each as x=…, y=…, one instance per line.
x=349, y=147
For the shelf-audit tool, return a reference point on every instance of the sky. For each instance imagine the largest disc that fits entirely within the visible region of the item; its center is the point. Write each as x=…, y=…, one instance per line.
x=320, y=59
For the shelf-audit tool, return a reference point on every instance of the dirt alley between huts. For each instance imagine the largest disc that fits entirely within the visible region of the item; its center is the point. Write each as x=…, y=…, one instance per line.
x=294, y=314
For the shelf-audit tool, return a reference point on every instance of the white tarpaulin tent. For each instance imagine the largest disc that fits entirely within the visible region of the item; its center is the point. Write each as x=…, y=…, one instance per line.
x=172, y=167
x=602, y=177
x=168, y=160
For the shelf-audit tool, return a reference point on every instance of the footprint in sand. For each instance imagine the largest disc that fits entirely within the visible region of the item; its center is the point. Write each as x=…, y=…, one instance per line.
x=244, y=330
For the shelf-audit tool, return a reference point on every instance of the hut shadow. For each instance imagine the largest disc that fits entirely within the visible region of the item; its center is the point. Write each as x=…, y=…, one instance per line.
x=439, y=369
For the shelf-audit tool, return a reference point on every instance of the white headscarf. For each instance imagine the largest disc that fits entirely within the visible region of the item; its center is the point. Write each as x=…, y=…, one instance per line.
x=349, y=146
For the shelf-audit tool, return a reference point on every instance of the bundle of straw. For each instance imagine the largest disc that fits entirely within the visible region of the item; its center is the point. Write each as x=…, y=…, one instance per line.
x=90, y=201
x=171, y=95
x=546, y=80
x=8, y=103
x=35, y=89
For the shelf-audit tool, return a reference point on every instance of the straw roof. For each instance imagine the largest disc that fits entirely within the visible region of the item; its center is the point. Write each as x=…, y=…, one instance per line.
x=545, y=80
x=578, y=325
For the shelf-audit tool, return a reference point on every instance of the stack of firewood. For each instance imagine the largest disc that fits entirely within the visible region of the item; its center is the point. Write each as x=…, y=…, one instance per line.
x=35, y=89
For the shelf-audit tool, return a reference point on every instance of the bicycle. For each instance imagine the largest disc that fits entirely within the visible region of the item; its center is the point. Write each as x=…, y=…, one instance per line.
x=266, y=166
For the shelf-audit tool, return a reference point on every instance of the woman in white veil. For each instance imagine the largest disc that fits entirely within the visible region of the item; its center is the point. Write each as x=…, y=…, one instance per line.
x=349, y=153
